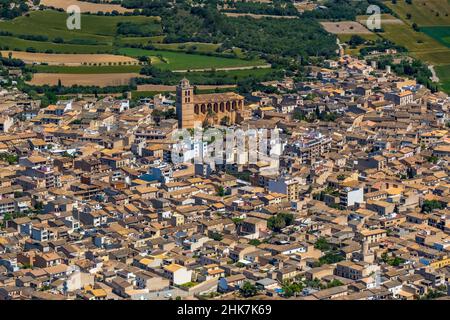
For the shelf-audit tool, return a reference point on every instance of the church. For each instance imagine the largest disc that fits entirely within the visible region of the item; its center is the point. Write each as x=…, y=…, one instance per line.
x=208, y=109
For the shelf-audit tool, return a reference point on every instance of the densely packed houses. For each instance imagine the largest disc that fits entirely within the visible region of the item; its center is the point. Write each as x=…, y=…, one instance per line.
x=93, y=205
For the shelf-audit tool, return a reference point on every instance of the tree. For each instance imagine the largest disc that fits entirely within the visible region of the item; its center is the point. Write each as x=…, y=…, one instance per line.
x=291, y=289
x=276, y=223
x=322, y=244
x=334, y=283
x=248, y=290
x=220, y=191
x=225, y=121
x=330, y=258
x=430, y=205
x=10, y=158
x=254, y=242
x=280, y=221
x=433, y=159
x=356, y=40
x=216, y=236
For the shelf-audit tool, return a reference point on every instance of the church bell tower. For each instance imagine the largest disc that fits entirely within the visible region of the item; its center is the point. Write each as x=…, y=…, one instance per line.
x=185, y=104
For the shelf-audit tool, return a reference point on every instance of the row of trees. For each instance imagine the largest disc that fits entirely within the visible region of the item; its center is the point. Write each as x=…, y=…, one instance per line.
x=245, y=81
x=345, y=9
x=10, y=9
x=276, y=7
x=148, y=29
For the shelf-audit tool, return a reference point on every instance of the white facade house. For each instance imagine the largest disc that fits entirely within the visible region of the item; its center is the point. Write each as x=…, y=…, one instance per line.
x=350, y=196
x=177, y=274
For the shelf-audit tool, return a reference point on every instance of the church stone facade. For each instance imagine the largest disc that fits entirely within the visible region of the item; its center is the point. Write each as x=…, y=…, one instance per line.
x=208, y=109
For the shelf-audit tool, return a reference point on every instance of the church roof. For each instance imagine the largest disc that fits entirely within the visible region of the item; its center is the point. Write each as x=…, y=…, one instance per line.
x=216, y=97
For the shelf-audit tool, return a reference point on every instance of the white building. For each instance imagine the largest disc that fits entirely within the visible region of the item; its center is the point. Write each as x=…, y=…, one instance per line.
x=189, y=151
x=177, y=274
x=6, y=123
x=350, y=196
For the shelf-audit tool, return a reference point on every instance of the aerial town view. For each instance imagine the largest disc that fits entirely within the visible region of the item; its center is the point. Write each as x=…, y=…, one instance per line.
x=224, y=150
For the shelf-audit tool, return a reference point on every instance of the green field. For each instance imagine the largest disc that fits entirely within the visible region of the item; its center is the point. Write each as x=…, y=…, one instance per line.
x=191, y=47
x=12, y=43
x=441, y=34
x=185, y=61
x=98, y=34
x=194, y=46
x=443, y=73
x=432, y=16
x=199, y=47
x=86, y=70
x=345, y=38
x=368, y=37
x=418, y=44
x=144, y=41
x=53, y=24
x=432, y=43
x=404, y=35
x=423, y=12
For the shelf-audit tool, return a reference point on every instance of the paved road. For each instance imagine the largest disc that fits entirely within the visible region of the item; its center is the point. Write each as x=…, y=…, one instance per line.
x=264, y=66
x=341, y=47
x=434, y=76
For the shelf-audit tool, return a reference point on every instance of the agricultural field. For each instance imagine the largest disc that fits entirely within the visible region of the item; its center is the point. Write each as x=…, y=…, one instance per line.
x=84, y=6
x=70, y=59
x=431, y=43
x=169, y=60
x=439, y=33
x=87, y=69
x=345, y=27
x=414, y=41
x=443, y=73
x=42, y=37
x=385, y=19
x=423, y=12
x=368, y=37
x=13, y=43
x=95, y=30
x=100, y=80
x=132, y=41
x=193, y=46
